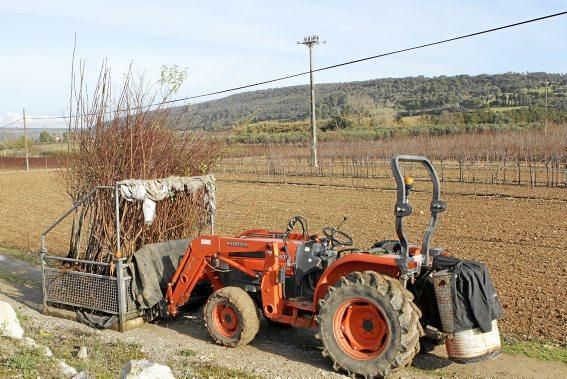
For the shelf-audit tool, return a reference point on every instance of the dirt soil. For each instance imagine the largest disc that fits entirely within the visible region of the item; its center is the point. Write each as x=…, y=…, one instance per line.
x=275, y=352
x=522, y=240
x=521, y=233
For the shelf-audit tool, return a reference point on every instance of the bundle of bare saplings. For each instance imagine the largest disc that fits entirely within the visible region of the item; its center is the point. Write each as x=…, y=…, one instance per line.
x=117, y=136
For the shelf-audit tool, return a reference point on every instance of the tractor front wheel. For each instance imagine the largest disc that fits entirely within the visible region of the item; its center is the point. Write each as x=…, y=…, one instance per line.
x=231, y=317
x=369, y=325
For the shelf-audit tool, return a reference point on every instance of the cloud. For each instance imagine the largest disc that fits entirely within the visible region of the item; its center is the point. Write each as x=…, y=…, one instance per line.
x=9, y=117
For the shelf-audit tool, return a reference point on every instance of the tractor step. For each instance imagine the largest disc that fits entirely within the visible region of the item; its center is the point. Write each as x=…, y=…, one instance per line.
x=304, y=303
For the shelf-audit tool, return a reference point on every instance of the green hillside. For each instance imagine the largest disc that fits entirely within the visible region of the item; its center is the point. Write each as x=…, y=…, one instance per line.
x=404, y=96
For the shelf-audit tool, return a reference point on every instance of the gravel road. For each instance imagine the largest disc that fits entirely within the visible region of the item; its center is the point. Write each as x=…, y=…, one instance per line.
x=276, y=352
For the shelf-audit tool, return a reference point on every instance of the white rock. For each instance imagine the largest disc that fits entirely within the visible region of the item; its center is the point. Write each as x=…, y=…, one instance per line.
x=82, y=354
x=82, y=375
x=47, y=352
x=144, y=369
x=66, y=370
x=28, y=341
x=9, y=323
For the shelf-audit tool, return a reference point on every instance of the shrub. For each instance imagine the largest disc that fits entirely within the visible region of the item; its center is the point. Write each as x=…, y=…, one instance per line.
x=119, y=137
x=337, y=122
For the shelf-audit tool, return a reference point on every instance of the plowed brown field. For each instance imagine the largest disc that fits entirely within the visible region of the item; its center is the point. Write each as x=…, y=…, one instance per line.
x=521, y=234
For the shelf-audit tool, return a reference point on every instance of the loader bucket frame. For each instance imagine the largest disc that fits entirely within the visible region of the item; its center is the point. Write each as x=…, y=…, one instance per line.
x=403, y=207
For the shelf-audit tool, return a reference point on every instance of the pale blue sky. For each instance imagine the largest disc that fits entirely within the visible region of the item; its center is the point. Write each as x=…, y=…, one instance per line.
x=230, y=43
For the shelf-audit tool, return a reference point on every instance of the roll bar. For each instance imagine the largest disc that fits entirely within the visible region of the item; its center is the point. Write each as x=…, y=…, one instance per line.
x=404, y=209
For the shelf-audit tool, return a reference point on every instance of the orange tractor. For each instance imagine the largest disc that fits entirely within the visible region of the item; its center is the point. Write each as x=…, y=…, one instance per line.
x=360, y=301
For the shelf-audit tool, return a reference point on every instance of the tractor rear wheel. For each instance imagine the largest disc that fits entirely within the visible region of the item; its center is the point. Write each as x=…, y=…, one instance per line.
x=369, y=325
x=231, y=317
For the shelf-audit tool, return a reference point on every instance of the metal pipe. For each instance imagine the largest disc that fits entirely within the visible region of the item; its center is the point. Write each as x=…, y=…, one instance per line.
x=117, y=210
x=54, y=257
x=43, y=248
x=237, y=266
x=42, y=262
x=75, y=206
x=403, y=208
x=80, y=273
x=121, y=293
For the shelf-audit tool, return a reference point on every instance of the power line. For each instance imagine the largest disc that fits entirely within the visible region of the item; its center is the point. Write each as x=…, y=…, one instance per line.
x=326, y=67
x=368, y=58
x=444, y=41
x=11, y=123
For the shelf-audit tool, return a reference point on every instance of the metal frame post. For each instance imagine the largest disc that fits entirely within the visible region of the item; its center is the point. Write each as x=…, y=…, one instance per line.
x=43, y=245
x=42, y=262
x=121, y=292
x=117, y=211
x=121, y=289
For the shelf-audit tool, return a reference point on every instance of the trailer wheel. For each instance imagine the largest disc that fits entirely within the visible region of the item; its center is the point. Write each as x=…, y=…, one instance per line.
x=369, y=325
x=231, y=317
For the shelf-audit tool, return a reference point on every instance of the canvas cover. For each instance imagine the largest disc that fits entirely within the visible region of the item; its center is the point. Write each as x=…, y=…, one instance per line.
x=153, y=267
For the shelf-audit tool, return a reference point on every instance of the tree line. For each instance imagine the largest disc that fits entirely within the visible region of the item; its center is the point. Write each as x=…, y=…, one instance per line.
x=408, y=96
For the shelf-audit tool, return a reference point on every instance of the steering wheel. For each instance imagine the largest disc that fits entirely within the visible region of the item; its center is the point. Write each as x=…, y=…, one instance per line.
x=338, y=237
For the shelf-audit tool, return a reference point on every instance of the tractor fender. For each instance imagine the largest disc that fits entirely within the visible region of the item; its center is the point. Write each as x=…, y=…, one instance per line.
x=386, y=264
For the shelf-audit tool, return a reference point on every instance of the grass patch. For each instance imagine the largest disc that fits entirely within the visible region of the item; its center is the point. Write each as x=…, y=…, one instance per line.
x=187, y=353
x=544, y=350
x=17, y=361
x=183, y=366
x=24, y=361
x=215, y=371
x=105, y=359
x=19, y=254
x=16, y=279
x=24, y=319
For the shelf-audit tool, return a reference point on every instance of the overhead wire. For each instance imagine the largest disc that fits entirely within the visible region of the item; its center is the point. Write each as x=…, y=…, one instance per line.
x=11, y=123
x=447, y=40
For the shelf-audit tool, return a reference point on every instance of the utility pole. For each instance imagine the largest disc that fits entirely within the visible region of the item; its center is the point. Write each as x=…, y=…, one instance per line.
x=311, y=41
x=26, y=140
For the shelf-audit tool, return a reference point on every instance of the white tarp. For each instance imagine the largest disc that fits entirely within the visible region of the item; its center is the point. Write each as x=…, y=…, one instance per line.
x=150, y=191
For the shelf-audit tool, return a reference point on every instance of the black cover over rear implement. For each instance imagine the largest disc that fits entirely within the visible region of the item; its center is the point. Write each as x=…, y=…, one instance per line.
x=475, y=302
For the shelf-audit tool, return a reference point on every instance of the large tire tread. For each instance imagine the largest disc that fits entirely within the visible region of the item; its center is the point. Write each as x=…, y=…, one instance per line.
x=408, y=314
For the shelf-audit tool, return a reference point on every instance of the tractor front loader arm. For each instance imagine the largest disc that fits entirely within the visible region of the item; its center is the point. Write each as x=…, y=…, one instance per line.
x=190, y=270
x=195, y=265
